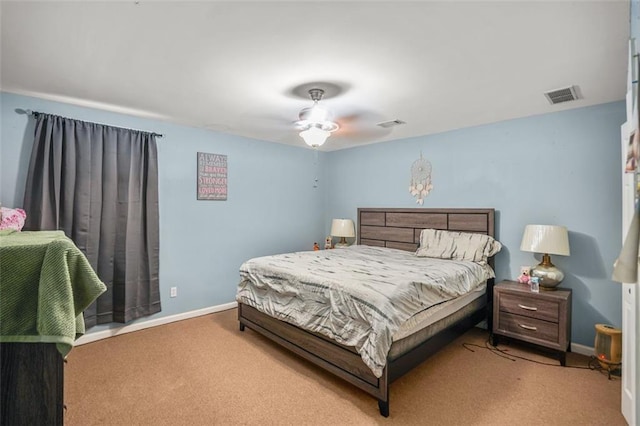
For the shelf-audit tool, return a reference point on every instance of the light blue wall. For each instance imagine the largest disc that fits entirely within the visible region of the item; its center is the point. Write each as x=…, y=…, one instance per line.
x=272, y=206
x=561, y=168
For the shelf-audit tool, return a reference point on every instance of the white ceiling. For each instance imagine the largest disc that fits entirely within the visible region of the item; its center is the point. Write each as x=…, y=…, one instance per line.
x=238, y=67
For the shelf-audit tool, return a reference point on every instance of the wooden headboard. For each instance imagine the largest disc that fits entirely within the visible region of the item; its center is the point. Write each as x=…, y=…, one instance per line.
x=400, y=228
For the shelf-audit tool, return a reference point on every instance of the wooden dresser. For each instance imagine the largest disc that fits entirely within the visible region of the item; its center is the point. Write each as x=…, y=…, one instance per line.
x=32, y=384
x=542, y=318
x=46, y=283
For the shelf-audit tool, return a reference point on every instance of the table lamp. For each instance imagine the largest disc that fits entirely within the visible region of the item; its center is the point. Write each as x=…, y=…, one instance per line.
x=342, y=228
x=546, y=239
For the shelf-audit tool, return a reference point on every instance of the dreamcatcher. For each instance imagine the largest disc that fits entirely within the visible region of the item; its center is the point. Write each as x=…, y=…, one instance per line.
x=420, y=179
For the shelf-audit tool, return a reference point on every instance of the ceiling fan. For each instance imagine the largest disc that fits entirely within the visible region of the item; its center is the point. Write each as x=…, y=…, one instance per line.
x=315, y=122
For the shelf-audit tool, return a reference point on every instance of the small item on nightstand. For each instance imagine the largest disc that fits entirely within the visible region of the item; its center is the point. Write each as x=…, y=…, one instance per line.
x=535, y=284
x=524, y=275
x=327, y=243
x=316, y=247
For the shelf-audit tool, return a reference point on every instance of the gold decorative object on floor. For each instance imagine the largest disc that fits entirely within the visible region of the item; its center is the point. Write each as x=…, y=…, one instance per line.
x=608, y=347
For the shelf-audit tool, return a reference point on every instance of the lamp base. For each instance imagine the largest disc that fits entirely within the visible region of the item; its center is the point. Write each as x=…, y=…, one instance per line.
x=342, y=243
x=550, y=276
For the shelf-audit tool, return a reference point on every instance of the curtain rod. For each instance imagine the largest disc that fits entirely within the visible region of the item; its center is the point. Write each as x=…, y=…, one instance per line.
x=35, y=113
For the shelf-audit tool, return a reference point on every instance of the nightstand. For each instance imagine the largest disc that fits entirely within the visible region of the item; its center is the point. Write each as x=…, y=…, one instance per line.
x=543, y=318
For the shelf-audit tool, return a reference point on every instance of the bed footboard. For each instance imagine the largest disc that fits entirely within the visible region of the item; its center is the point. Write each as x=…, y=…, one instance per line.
x=343, y=361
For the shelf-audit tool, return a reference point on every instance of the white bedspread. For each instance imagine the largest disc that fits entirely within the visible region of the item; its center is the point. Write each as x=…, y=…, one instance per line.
x=358, y=296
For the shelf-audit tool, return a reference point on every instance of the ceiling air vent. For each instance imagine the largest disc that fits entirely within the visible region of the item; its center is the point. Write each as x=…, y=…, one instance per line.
x=391, y=123
x=562, y=95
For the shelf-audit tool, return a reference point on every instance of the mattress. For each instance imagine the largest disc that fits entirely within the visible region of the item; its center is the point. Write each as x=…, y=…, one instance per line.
x=423, y=329
x=436, y=313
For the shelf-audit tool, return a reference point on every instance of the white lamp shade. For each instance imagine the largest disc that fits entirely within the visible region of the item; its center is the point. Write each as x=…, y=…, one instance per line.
x=314, y=136
x=342, y=228
x=549, y=239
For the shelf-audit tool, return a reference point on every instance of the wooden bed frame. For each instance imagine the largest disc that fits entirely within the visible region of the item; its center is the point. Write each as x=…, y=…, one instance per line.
x=394, y=228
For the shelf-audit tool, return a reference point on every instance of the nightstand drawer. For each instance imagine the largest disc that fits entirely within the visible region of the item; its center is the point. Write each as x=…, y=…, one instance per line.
x=527, y=328
x=547, y=310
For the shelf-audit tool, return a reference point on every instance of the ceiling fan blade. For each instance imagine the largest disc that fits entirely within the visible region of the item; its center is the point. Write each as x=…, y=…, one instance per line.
x=361, y=126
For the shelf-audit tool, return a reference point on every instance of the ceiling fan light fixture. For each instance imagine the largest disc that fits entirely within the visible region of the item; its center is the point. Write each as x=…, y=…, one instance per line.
x=317, y=114
x=315, y=121
x=328, y=126
x=315, y=136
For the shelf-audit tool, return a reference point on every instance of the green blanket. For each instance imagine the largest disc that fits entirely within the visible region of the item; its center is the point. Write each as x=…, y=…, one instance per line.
x=45, y=284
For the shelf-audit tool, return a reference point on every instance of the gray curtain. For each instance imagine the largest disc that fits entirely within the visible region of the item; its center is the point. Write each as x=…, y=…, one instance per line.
x=99, y=184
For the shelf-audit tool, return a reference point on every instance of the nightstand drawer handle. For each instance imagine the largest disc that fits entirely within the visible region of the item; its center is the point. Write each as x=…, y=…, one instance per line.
x=528, y=327
x=528, y=308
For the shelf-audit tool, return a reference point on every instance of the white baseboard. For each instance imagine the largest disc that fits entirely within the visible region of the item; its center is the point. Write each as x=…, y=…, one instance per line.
x=99, y=335
x=582, y=349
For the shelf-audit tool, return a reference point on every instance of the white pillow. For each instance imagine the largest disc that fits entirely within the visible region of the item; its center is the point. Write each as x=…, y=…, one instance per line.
x=457, y=245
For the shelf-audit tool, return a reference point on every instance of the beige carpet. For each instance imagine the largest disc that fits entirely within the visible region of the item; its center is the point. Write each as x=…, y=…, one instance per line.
x=204, y=371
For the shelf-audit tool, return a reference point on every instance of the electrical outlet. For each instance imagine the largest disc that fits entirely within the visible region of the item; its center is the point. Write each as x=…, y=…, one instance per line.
x=174, y=291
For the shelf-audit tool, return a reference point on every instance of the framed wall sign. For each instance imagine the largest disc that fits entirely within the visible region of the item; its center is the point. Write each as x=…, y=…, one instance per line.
x=212, y=176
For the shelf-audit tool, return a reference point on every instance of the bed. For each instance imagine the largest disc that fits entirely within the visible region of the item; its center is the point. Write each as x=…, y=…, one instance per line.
x=399, y=230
